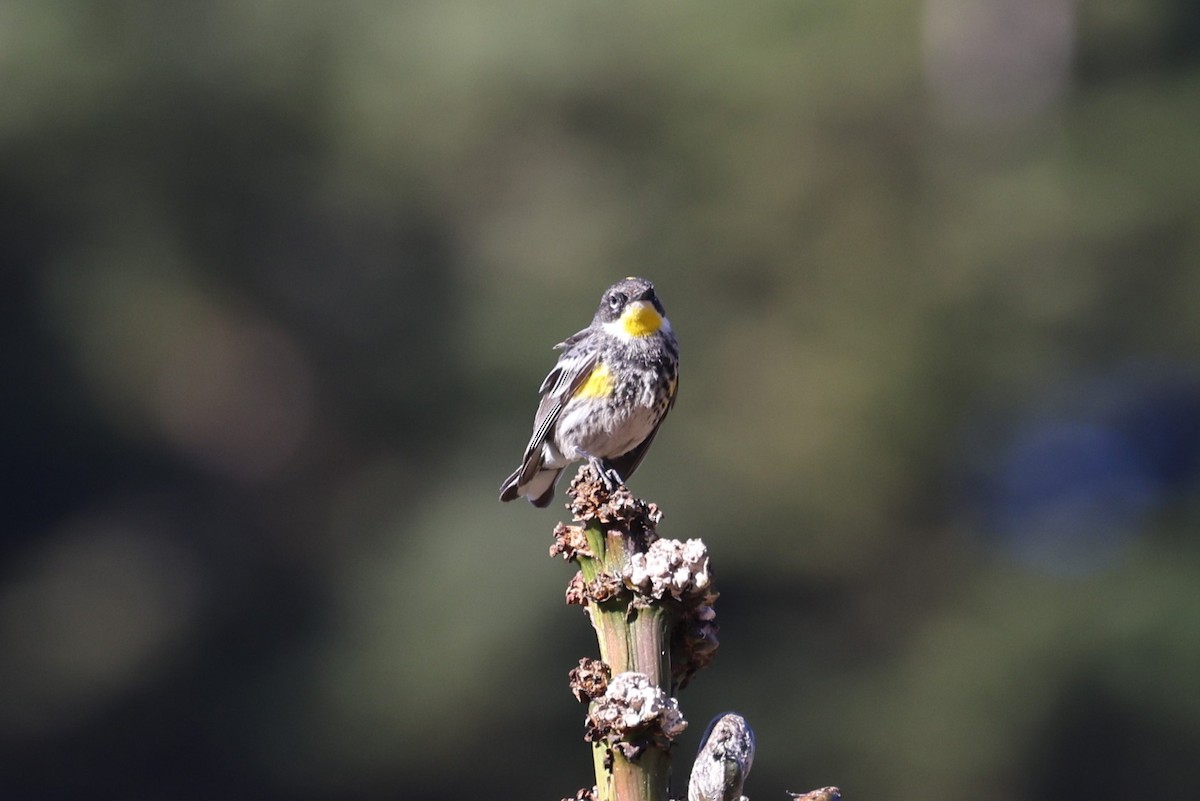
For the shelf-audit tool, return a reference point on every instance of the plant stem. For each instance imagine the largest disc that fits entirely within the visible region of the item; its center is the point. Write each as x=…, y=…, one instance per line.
x=630, y=640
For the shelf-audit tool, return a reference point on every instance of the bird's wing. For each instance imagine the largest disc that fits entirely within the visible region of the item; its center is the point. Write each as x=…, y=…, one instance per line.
x=571, y=371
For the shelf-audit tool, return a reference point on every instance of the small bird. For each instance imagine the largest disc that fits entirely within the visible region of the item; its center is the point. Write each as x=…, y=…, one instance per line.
x=605, y=398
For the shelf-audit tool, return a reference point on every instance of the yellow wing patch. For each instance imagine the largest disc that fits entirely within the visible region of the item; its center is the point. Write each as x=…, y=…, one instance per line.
x=598, y=385
x=641, y=319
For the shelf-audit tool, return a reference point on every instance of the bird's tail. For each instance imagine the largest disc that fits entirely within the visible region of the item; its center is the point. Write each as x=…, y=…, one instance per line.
x=538, y=487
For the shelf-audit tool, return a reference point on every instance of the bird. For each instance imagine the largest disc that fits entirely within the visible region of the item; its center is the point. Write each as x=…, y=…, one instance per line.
x=605, y=398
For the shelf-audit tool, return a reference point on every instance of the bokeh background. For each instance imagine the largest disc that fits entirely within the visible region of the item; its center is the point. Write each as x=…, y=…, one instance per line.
x=280, y=280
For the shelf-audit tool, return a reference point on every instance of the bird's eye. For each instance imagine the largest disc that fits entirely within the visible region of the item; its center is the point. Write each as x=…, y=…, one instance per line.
x=616, y=300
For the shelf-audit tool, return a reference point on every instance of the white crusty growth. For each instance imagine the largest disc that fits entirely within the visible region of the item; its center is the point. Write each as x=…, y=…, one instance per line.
x=670, y=566
x=633, y=702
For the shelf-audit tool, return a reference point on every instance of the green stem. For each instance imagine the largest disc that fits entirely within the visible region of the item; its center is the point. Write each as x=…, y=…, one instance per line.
x=628, y=642
x=647, y=779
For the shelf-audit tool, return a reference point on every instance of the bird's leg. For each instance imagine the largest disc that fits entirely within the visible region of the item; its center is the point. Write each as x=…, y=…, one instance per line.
x=606, y=473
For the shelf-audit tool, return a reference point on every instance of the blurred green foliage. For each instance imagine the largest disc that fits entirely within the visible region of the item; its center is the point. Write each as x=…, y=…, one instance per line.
x=281, y=279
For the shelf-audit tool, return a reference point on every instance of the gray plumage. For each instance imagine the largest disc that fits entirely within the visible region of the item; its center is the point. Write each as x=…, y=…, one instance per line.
x=606, y=396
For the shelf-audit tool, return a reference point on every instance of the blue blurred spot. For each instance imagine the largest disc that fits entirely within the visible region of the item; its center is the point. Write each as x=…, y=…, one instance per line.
x=1072, y=483
x=1066, y=496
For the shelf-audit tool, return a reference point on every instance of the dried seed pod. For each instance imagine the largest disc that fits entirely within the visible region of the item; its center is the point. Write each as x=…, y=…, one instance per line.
x=723, y=761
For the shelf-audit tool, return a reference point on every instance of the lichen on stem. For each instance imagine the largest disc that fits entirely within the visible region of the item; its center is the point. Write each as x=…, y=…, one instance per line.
x=650, y=603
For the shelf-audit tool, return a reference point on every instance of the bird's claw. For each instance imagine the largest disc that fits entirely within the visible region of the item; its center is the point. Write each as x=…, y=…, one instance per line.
x=606, y=473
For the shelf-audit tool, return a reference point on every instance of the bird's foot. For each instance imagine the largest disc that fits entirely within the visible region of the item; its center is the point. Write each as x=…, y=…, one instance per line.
x=606, y=473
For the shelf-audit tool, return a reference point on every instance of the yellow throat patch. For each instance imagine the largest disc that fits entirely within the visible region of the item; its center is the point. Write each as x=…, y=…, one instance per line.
x=598, y=385
x=641, y=319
